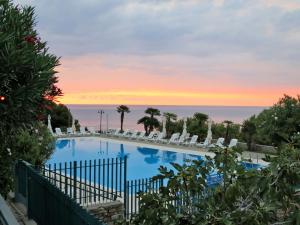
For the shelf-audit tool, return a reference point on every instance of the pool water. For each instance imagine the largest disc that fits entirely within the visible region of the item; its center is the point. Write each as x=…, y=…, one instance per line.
x=143, y=162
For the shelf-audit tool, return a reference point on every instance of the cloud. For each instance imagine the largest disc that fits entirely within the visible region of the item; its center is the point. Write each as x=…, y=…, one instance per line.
x=200, y=44
x=198, y=28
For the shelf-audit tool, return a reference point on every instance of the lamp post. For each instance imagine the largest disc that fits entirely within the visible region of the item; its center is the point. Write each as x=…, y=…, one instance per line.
x=100, y=111
x=106, y=122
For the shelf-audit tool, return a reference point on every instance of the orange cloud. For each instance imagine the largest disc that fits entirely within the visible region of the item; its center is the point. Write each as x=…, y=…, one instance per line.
x=92, y=80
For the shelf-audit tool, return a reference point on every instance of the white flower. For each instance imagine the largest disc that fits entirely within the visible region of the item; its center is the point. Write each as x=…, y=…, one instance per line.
x=36, y=131
x=276, y=118
x=9, y=151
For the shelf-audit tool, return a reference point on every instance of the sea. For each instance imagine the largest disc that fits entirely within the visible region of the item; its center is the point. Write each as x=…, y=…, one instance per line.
x=88, y=114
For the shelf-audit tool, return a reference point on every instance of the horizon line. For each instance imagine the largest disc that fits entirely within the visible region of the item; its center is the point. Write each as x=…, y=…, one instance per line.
x=264, y=106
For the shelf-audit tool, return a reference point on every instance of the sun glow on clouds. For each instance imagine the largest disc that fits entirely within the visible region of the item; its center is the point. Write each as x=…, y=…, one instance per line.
x=192, y=52
x=116, y=80
x=166, y=98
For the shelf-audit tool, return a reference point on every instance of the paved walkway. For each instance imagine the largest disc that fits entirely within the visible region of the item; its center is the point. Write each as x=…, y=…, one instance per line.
x=256, y=157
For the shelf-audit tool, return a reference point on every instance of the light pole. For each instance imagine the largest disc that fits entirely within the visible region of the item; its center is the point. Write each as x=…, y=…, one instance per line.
x=100, y=111
x=106, y=122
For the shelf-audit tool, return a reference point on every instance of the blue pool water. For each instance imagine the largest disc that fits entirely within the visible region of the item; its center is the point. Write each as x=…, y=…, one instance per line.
x=143, y=162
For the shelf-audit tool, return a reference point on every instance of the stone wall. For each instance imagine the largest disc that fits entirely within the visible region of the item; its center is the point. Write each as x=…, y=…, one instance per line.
x=109, y=212
x=258, y=148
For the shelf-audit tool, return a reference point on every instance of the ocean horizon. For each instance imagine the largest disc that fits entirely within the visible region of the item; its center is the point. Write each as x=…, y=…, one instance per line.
x=88, y=115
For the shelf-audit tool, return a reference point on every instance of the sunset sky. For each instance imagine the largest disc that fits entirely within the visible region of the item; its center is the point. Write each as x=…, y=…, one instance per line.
x=173, y=52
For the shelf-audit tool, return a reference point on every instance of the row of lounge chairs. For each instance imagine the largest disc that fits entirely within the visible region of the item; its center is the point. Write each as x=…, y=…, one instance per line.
x=176, y=138
x=154, y=136
x=82, y=131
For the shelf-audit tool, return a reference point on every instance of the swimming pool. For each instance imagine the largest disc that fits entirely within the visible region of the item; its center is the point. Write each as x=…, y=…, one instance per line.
x=143, y=159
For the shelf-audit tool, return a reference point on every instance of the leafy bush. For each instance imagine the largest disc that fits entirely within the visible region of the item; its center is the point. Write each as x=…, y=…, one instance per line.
x=277, y=125
x=266, y=196
x=28, y=82
x=33, y=145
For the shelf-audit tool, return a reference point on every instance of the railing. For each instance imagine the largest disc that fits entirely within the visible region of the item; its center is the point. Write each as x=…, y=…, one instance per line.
x=134, y=187
x=89, y=182
x=46, y=204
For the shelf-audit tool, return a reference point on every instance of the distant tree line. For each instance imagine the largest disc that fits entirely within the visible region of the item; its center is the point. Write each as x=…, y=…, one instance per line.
x=274, y=126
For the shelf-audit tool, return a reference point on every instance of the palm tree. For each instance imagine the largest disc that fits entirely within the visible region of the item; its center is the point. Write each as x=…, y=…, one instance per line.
x=122, y=109
x=170, y=117
x=145, y=121
x=150, y=122
x=153, y=122
x=227, y=122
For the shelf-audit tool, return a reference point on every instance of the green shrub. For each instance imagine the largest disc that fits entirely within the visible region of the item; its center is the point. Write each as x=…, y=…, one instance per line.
x=34, y=145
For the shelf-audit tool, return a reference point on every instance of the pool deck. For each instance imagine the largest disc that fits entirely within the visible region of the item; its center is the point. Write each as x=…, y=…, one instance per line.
x=256, y=157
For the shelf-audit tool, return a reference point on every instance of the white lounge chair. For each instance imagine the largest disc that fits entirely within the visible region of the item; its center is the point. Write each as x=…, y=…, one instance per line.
x=193, y=141
x=140, y=136
x=124, y=134
x=134, y=134
x=233, y=143
x=58, y=131
x=70, y=130
x=173, y=138
x=219, y=143
x=187, y=136
x=151, y=136
x=82, y=131
x=203, y=144
x=160, y=137
x=180, y=140
x=92, y=130
x=116, y=132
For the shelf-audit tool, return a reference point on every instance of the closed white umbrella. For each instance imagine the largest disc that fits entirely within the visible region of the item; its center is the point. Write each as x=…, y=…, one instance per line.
x=49, y=124
x=164, y=130
x=209, y=133
x=184, y=131
x=73, y=126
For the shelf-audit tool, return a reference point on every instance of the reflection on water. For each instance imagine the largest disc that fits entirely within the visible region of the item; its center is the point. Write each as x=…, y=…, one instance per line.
x=73, y=147
x=152, y=157
x=142, y=162
x=122, y=153
x=195, y=157
x=169, y=157
x=62, y=143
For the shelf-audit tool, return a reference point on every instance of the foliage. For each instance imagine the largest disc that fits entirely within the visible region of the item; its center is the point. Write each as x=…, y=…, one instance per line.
x=122, y=109
x=61, y=116
x=266, y=196
x=170, y=122
x=221, y=130
x=150, y=122
x=34, y=145
x=197, y=125
x=248, y=131
x=27, y=80
x=276, y=125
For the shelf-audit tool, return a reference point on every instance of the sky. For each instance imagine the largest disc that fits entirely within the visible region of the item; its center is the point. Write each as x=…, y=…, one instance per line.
x=173, y=52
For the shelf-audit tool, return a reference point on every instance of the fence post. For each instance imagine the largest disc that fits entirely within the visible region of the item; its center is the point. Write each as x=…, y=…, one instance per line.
x=125, y=185
x=75, y=178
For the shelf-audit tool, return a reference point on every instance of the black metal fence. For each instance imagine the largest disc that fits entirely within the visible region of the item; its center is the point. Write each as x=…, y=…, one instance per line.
x=89, y=182
x=86, y=183
x=46, y=204
x=133, y=189
x=183, y=200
